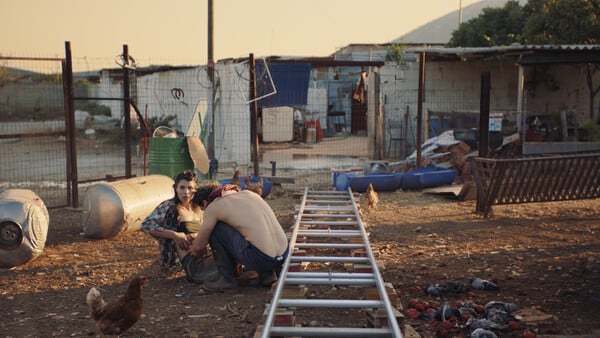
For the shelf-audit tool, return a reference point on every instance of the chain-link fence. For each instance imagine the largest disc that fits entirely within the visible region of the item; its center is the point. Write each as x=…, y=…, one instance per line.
x=308, y=117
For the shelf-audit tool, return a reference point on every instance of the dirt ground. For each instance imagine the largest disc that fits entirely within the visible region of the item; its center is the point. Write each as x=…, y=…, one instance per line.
x=541, y=255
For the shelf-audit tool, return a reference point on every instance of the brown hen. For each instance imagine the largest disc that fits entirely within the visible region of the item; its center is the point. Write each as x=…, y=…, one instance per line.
x=119, y=315
x=235, y=180
x=371, y=197
x=254, y=187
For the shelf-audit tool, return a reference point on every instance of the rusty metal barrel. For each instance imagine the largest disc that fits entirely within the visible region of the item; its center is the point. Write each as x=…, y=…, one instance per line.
x=23, y=226
x=121, y=206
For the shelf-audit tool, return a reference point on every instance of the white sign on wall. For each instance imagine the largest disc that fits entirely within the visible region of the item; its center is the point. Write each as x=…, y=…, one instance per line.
x=495, y=122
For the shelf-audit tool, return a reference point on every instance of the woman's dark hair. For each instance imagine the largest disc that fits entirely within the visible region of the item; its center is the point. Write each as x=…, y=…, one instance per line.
x=187, y=175
x=203, y=191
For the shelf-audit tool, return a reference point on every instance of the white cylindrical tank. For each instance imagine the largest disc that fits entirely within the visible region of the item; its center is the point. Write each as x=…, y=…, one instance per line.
x=121, y=206
x=23, y=226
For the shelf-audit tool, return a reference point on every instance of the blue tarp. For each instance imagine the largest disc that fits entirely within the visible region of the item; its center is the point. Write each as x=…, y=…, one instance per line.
x=291, y=82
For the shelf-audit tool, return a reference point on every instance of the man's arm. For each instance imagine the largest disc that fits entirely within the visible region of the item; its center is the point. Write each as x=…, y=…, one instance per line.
x=209, y=220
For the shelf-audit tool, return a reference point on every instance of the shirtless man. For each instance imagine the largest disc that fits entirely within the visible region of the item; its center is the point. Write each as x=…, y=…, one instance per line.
x=240, y=227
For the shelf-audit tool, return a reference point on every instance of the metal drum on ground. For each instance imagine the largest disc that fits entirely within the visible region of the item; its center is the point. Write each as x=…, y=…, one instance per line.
x=23, y=226
x=115, y=207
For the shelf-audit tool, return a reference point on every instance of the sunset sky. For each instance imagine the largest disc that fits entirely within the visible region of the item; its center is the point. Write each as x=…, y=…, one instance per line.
x=177, y=30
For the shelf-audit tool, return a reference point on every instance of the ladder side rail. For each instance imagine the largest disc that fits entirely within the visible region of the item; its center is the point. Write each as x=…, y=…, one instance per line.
x=279, y=289
x=378, y=279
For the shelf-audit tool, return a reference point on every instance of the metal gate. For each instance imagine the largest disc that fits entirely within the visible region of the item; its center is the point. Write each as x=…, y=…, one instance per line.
x=44, y=145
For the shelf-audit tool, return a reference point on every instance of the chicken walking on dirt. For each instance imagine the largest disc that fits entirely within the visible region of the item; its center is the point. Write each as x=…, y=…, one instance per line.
x=119, y=315
x=371, y=197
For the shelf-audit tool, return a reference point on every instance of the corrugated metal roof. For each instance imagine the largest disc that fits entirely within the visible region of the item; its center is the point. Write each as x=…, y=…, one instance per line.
x=527, y=53
x=325, y=61
x=501, y=49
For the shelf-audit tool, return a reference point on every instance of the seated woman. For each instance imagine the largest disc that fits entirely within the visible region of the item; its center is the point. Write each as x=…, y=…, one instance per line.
x=175, y=234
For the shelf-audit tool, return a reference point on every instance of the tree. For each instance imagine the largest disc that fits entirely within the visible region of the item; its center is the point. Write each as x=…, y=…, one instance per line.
x=538, y=22
x=554, y=22
x=494, y=27
x=395, y=53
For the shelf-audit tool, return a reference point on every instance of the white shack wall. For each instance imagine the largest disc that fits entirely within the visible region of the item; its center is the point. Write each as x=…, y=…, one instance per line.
x=456, y=86
x=449, y=87
x=551, y=89
x=157, y=91
x=109, y=88
x=316, y=104
x=398, y=87
x=232, y=115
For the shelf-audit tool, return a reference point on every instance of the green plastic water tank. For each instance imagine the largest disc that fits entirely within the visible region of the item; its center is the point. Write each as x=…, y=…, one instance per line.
x=169, y=156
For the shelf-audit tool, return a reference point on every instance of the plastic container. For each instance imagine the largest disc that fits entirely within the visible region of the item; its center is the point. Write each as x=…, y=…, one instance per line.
x=341, y=181
x=23, y=226
x=382, y=181
x=311, y=135
x=115, y=207
x=335, y=172
x=427, y=177
x=169, y=156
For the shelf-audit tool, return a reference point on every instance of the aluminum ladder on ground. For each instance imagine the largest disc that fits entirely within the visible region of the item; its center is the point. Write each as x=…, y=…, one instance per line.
x=329, y=221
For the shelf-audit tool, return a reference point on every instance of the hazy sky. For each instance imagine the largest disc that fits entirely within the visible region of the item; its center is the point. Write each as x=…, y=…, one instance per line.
x=177, y=29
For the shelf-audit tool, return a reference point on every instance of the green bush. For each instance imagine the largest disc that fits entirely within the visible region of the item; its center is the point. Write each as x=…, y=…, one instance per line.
x=92, y=107
x=592, y=130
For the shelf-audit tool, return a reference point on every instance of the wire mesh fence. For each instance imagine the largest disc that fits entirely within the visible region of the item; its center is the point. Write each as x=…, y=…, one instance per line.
x=32, y=132
x=307, y=119
x=34, y=129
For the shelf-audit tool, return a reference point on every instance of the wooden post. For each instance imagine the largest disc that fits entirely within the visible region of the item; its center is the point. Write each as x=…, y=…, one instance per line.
x=211, y=77
x=126, y=109
x=73, y=190
x=253, y=114
x=484, y=114
x=563, y=125
x=420, y=108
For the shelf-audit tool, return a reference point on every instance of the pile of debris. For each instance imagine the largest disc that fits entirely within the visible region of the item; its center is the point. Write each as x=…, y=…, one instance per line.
x=452, y=149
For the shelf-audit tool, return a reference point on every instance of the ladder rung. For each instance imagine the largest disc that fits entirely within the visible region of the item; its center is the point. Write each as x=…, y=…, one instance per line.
x=329, y=216
x=325, y=259
x=326, y=208
x=337, y=201
x=327, y=192
x=349, y=303
x=309, y=274
x=329, y=246
x=329, y=233
x=306, y=331
x=330, y=281
x=328, y=222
